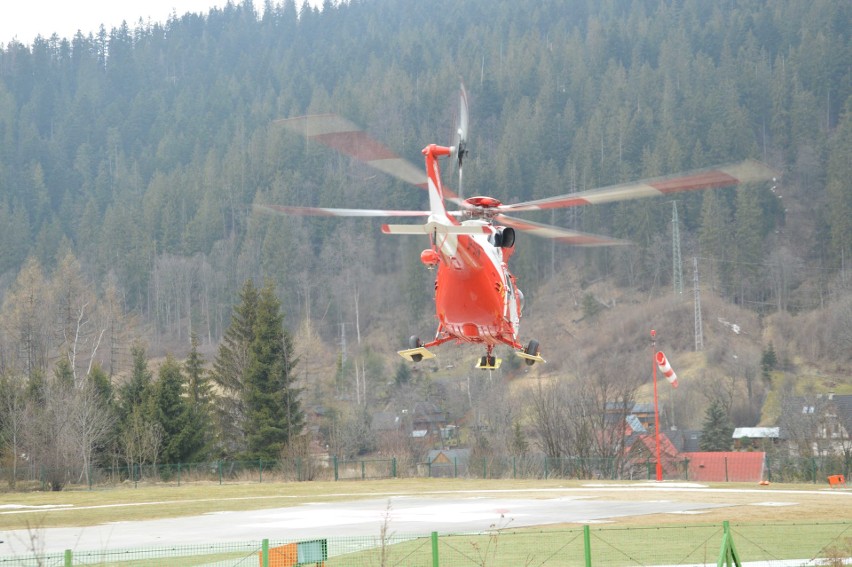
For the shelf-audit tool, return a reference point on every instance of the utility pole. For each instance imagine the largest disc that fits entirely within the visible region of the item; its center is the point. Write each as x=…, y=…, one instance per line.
x=696, y=290
x=677, y=267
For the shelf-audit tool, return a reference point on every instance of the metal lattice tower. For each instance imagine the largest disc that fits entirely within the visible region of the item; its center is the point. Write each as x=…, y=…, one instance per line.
x=677, y=267
x=696, y=289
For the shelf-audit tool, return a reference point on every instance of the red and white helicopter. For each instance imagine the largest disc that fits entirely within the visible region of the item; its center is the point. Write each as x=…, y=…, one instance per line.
x=477, y=299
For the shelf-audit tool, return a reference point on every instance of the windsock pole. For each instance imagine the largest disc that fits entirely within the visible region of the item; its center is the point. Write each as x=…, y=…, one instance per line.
x=656, y=407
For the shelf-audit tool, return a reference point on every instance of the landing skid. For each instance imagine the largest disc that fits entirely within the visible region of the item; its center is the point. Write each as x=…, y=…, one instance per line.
x=489, y=363
x=416, y=354
x=530, y=359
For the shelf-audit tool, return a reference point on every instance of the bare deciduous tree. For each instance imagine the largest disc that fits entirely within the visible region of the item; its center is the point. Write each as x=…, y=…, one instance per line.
x=12, y=414
x=140, y=440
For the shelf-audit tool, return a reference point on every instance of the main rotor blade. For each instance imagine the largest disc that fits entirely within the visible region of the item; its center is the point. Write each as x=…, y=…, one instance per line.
x=326, y=212
x=715, y=177
x=342, y=135
x=572, y=237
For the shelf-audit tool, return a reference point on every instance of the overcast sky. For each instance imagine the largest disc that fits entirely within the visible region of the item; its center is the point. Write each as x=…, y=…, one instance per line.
x=25, y=19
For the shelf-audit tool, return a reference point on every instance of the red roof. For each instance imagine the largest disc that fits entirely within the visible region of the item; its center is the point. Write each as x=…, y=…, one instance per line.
x=727, y=466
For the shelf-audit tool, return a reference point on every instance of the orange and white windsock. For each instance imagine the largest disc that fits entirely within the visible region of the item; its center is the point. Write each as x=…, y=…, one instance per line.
x=666, y=369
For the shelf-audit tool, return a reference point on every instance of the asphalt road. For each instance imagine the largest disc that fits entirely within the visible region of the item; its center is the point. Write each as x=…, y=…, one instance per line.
x=405, y=515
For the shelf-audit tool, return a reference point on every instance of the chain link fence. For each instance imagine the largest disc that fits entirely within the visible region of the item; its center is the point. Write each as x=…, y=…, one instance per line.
x=773, y=545
x=775, y=469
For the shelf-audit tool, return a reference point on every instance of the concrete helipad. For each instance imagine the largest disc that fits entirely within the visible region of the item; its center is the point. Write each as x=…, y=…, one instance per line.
x=405, y=515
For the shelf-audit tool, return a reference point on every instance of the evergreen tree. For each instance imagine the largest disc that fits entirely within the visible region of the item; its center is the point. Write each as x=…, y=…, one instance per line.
x=173, y=411
x=274, y=416
x=717, y=429
x=839, y=191
x=748, y=236
x=199, y=396
x=714, y=237
x=135, y=391
x=769, y=361
x=230, y=369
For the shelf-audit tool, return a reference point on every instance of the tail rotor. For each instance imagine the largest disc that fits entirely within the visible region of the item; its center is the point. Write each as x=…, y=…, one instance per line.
x=460, y=141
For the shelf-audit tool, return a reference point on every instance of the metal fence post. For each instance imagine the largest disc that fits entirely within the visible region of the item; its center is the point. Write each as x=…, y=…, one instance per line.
x=363, y=471
x=69, y=558
x=435, y=549
x=264, y=553
x=219, y=466
x=260, y=470
x=336, y=477
x=393, y=467
x=587, y=545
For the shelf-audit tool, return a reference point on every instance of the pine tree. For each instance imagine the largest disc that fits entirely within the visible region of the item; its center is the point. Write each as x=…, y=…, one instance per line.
x=274, y=415
x=748, y=236
x=769, y=361
x=173, y=411
x=199, y=394
x=230, y=368
x=839, y=191
x=717, y=429
x=259, y=411
x=135, y=391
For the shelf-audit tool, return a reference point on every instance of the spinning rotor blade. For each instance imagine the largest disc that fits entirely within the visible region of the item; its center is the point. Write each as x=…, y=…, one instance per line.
x=710, y=178
x=325, y=212
x=460, y=141
x=572, y=237
x=342, y=135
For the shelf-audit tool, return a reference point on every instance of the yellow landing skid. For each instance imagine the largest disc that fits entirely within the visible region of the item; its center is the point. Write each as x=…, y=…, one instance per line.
x=415, y=354
x=527, y=356
x=497, y=363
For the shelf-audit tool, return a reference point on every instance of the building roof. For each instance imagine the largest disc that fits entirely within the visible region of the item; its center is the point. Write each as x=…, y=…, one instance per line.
x=635, y=425
x=448, y=456
x=757, y=433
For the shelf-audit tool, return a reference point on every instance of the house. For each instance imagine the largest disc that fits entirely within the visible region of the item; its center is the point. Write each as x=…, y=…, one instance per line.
x=448, y=462
x=643, y=413
x=425, y=420
x=642, y=451
x=755, y=438
x=686, y=440
x=818, y=424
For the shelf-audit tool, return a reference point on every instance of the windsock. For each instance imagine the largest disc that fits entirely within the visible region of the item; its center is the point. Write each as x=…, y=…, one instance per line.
x=666, y=369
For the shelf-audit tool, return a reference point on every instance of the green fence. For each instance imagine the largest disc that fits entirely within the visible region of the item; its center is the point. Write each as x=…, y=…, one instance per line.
x=33, y=477
x=773, y=544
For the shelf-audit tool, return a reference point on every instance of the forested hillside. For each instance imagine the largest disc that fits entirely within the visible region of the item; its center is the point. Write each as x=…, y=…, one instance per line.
x=129, y=161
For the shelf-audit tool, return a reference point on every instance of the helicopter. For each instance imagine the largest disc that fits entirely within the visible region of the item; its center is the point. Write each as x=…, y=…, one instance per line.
x=477, y=298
